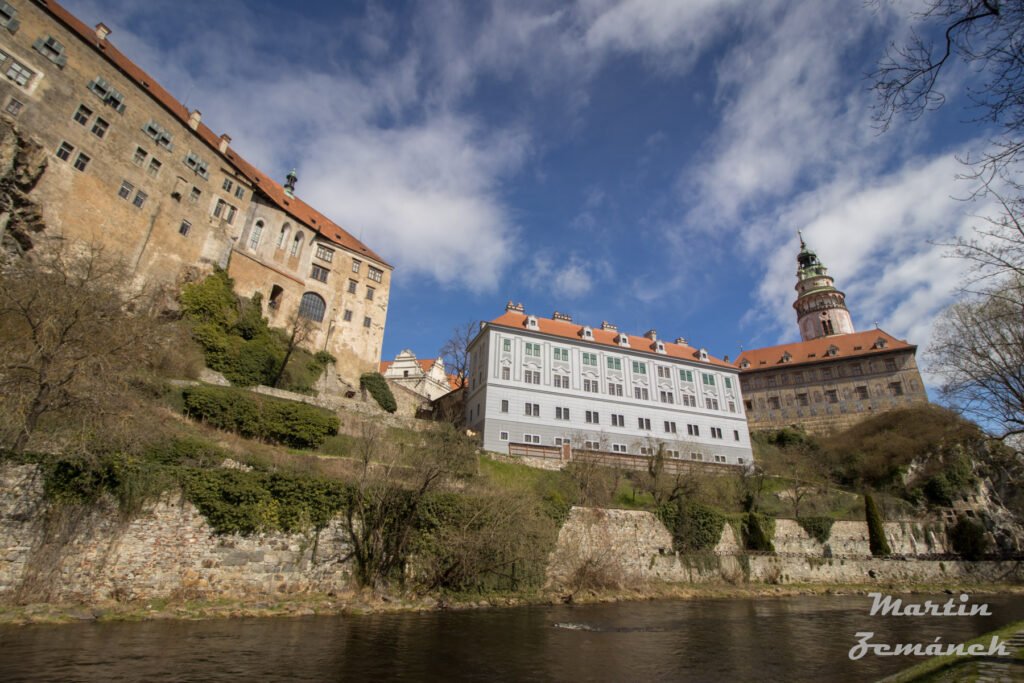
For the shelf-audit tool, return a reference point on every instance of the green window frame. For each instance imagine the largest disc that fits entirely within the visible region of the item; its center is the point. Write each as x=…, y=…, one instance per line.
x=532, y=349
x=709, y=380
x=639, y=368
x=728, y=383
x=686, y=375
x=507, y=344
x=589, y=358
x=614, y=363
x=561, y=354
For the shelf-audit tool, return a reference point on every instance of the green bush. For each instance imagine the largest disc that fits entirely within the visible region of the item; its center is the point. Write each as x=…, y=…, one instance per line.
x=968, y=538
x=938, y=490
x=262, y=417
x=757, y=531
x=378, y=387
x=819, y=528
x=876, y=529
x=694, y=526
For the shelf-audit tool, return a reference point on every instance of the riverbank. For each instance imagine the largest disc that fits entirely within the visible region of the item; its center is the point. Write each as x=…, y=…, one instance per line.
x=358, y=603
x=964, y=668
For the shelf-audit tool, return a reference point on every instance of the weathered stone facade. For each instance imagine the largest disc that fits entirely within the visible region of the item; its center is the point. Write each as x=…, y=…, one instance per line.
x=133, y=172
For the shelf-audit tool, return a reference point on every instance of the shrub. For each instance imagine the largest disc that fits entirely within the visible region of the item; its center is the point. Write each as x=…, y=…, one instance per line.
x=819, y=528
x=378, y=387
x=876, y=530
x=272, y=419
x=938, y=490
x=968, y=538
x=757, y=532
x=694, y=526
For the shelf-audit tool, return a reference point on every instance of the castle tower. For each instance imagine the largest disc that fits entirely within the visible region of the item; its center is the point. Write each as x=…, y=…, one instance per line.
x=820, y=307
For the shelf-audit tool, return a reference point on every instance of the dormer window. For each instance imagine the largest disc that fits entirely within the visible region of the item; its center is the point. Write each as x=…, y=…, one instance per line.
x=531, y=322
x=880, y=343
x=833, y=350
x=702, y=354
x=587, y=333
x=659, y=346
x=786, y=357
x=7, y=19
x=744, y=364
x=622, y=339
x=52, y=49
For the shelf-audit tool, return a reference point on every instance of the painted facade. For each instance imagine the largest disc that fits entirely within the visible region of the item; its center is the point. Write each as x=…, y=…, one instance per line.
x=425, y=376
x=134, y=172
x=833, y=378
x=548, y=381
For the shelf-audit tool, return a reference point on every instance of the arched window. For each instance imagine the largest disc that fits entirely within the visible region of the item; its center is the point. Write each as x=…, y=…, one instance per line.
x=297, y=244
x=312, y=307
x=285, y=229
x=257, y=232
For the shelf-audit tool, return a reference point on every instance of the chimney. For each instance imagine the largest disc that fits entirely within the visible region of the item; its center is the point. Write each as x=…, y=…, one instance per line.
x=519, y=307
x=102, y=31
x=225, y=140
x=682, y=341
x=651, y=334
x=193, y=119
x=726, y=359
x=605, y=325
x=562, y=316
x=510, y=306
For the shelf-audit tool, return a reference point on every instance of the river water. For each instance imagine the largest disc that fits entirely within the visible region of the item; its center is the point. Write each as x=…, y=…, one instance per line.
x=800, y=638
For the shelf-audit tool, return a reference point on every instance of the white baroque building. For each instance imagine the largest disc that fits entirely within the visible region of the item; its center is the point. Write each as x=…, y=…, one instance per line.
x=547, y=381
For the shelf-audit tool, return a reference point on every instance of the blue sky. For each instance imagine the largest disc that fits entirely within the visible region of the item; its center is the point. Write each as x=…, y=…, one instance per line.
x=646, y=162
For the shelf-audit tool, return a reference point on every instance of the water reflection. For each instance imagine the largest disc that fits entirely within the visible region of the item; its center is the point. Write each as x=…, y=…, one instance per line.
x=795, y=638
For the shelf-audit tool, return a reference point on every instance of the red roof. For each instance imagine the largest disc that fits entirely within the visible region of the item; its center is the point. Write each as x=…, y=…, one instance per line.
x=426, y=364
x=296, y=208
x=570, y=330
x=816, y=350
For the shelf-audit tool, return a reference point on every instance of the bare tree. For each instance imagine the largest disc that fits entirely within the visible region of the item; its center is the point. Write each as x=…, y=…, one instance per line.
x=455, y=351
x=979, y=353
x=983, y=34
x=301, y=331
x=71, y=341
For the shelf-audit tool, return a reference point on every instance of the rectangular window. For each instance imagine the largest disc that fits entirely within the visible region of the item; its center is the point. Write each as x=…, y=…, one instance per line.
x=614, y=363
x=355, y=265
x=198, y=166
x=15, y=70
x=531, y=376
x=503, y=436
x=507, y=345
x=99, y=129
x=154, y=168
x=615, y=389
x=896, y=389
x=140, y=199
x=663, y=372
x=561, y=413
x=618, y=420
x=736, y=435
x=716, y=432
x=140, y=156
x=592, y=417
x=13, y=107
x=82, y=114
x=670, y=427
x=693, y=430
x=369, y=293
x=561, y=381
x=319, y=273
x=532, y=409
x=347, y=316
x=226, y=185
x=732, y=406
x=826, y=373
x=367, y=321
x=709, y=380
x=375, y=274
x=532, y=349
x=126, y=190
x=728, y=383
x=193, y=196
x=561, y=354
x=184, y=228
x=831, y=396
x=618, y=448
x=352, y=286
x=643, y=423
x=324, y=254
x=686, y=375
x=890, y=364
x=639, y=368
x=801, y=399
x=82, y=161
x=856, y=370
x=52, y=49
x=240, y=192
x=641, y=393
x=591, y=385
x=667, y=397
x=862, y=393
x=590, y=359
x=64, y=151
x=504, y=405
x=505, y=373
x=711, y=403
x=773, y=402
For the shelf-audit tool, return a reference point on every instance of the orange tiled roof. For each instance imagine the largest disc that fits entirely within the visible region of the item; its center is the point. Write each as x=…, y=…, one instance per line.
x=570, y=330
x=296, y=208
x=425, y=363
x=816, y=350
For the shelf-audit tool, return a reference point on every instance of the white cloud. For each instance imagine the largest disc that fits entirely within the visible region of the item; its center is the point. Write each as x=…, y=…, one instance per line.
x=569, y=279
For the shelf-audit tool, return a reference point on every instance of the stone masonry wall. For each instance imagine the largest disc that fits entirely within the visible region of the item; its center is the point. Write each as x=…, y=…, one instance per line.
x=168, y=551
x=629, y=545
